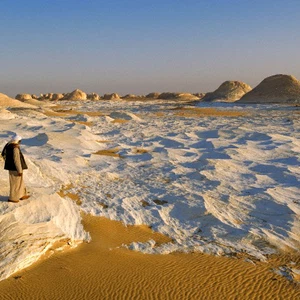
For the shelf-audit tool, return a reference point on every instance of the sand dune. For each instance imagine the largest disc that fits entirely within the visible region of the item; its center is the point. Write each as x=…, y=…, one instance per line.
x=102, y=270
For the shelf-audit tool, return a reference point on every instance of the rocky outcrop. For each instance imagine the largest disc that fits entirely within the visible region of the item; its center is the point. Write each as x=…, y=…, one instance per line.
x=6, y=101
x=167, y=96
x=178, y=96
x=49, y=96
x=132, y=97
x=56, y=97
x=75, y=95
x=199, y=95
x=275, y=89
x=228, y=91
x=172, y=96
x=93, y=96
x=113, y=96
x=23, y=97
x=153, y=95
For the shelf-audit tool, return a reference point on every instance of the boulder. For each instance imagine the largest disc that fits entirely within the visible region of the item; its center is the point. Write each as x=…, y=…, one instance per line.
x=23, y=97
x=113, y=96
x=75, y=95
x=56, y=97
x=93, y=96
x=34, y=97
x=228, y=91
x=275, y=89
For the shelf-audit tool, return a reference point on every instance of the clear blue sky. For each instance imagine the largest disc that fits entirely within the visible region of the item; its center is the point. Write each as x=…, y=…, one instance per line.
x=143, y=46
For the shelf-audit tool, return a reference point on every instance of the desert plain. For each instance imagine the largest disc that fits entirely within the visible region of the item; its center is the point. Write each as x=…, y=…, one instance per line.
x=152, y=199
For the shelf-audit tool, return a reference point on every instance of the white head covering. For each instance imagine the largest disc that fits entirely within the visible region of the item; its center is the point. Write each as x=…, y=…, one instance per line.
x=16, y=138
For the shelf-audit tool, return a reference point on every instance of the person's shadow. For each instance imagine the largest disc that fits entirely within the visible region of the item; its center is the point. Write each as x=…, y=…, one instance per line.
x=3, y=198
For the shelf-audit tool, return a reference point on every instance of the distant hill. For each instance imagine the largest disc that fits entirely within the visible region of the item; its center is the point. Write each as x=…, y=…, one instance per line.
x=275, y=89
x=229, y=91
x=179, y=96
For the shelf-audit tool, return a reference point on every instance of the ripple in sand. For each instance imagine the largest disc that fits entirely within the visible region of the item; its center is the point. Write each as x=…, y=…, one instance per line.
x=101, y=270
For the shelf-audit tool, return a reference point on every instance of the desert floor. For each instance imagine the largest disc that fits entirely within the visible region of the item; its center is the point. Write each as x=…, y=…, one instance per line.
x=101, y=270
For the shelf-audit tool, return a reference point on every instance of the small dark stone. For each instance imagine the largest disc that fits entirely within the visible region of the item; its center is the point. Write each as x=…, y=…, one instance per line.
x=145, y=203
x=160, y=202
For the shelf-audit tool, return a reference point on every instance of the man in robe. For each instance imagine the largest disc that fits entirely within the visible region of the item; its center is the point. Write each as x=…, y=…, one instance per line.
x=15, y=164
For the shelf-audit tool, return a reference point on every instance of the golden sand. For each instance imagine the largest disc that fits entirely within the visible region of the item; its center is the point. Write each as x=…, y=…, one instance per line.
x=103, y=141
x=64, y=192
x=159, y=114
x=101, y=270
x=192, y=112
x=109, y=152
x=86, y=123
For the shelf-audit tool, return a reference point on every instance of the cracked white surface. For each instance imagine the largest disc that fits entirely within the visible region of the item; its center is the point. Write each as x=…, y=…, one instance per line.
x=213, y=184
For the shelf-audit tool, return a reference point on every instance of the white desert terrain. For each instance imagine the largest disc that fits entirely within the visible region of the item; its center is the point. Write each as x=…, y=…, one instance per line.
x=218, y=178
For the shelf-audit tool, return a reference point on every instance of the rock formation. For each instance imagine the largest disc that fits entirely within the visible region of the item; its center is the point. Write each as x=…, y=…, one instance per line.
x=56, y=97
x=93, y=96
x=6, y=101
x=75, y=95
x=275, y=89
x=49, y=96
x=132, y=96
x=153, y=95
x=179, y=96
x=199, y=95
x=23, y=97
x=228, y=91
x=113, y=96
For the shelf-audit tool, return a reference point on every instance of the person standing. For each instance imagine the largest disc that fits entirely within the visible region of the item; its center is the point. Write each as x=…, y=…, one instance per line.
x=15, y=164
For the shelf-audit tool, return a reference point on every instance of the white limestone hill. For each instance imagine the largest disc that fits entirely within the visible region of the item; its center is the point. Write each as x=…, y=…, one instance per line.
x=75, y=95
x=228, y=91
x=113, y=96
x=93, y=96
x=23, y=97
x=278, y=88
